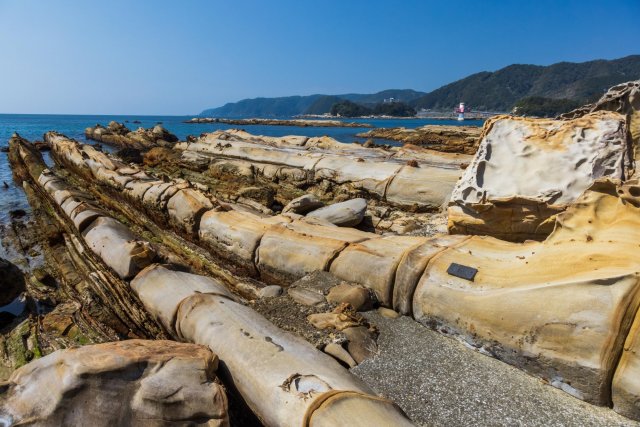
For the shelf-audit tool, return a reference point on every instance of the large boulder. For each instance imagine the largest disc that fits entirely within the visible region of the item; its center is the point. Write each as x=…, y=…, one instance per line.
x=528, y=170
x=136, y=383
x=344, y=214
x=559, y=309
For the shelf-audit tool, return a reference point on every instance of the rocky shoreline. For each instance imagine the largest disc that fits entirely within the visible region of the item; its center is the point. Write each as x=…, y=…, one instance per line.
x=448, y=139
x=263, y=252
x=277, y=122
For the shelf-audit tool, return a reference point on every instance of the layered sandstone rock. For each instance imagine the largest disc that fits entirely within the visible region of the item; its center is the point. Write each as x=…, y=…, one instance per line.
x=408, y=179
x=528, y=170
x=560, y=309
x=448, y=139
x=283, y=378
x=118, y=134
x=136, y=382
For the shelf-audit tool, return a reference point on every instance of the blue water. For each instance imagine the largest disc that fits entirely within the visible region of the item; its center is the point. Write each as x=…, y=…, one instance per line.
x=32, y=127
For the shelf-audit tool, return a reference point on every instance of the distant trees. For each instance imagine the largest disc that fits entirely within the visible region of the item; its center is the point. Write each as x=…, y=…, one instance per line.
x=397, y=109
x=351, y=109
x=544, y=107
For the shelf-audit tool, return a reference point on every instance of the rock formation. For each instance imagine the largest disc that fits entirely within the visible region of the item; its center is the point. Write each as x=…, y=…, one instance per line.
x=448, y=139
x=564, y=308
x=135, y=382
x=118, y=134
x=283, y=379
x=528, y=170
x=561, y=308
x=380, y=174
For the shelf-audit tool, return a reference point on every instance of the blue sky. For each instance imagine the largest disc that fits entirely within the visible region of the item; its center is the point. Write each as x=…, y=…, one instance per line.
x=170, y=57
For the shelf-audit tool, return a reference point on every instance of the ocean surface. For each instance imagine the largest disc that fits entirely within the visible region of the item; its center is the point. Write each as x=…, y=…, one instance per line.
x=33, y=126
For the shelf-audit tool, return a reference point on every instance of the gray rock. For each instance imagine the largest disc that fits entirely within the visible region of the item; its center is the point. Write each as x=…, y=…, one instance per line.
x=306, y=296
x=303, y=204
x=270, y=291
x=344, y=214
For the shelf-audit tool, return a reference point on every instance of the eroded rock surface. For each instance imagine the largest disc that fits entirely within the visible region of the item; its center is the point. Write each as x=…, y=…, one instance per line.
x=528, y=170
x=560, y=309
x=136, y=382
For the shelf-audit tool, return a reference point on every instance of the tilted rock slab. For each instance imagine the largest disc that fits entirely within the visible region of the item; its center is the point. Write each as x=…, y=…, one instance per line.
x=135, y=383
x=383, y=174
x=560, y=309
x=278, y=249
x=527, y=170
x=284, y=379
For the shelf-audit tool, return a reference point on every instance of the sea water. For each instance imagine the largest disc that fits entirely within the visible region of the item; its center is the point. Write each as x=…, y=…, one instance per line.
x=33, y=127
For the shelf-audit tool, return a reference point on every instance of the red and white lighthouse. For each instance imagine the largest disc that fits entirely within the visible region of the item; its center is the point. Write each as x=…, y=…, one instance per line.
x=460, y=111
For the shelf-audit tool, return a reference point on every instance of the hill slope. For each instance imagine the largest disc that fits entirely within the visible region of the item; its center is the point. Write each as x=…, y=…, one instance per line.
x=501, y=89
x=311, y=104
x=494, y=91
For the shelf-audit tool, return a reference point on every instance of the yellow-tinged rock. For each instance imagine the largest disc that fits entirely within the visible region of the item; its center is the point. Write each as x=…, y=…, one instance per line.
x=559, y=309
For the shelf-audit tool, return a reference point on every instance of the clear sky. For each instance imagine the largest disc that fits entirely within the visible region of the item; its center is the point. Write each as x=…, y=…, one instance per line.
x=180, y=57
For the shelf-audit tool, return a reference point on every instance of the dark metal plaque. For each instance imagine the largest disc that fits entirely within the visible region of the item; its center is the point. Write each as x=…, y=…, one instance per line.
x=462, y=271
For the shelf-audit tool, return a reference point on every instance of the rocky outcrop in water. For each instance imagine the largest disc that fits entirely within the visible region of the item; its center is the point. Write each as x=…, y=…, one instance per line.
x=118, y=134
x=275, y=122
x=135, y=382
x=448, y=139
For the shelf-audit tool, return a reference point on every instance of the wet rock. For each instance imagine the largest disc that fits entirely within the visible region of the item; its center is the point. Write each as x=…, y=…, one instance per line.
x=17, y=213
x=130, y=155
x=12, y=282
x=344, y=214
x=338, y=352
x=358, y=297
x=361, y=343
x=138, y=383
x=303, y=204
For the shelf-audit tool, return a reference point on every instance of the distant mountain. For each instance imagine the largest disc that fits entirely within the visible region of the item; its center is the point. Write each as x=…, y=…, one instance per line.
x=531, y=85
x=502, y=89
x=311, y=104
